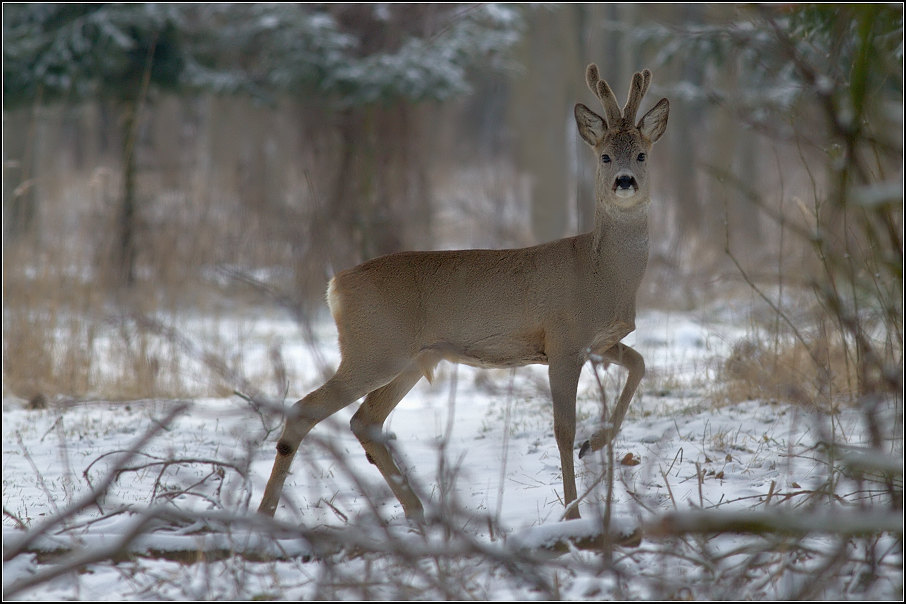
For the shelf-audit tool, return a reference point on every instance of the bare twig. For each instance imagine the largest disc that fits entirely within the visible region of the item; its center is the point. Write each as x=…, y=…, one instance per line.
x=90, y=498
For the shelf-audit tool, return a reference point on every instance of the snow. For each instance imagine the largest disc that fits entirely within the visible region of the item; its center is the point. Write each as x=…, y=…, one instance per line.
x=479, y=448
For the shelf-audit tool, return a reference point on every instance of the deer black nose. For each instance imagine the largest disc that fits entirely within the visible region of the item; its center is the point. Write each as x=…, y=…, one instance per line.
x=624, y=182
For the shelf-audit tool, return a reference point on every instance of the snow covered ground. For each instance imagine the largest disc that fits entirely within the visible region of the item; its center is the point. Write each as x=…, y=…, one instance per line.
x=480, y=447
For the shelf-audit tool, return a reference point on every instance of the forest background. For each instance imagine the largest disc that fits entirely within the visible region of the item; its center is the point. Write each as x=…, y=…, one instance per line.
x=157, y=157
x=217, y=163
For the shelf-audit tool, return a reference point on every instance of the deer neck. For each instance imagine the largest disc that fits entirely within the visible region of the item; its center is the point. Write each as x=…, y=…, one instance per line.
x=619, y=258
x=620, y=236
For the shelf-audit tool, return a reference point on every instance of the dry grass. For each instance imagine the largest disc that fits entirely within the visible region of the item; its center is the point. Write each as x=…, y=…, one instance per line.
x=784, y=369
x=67, y=329
x=70, y=330
x=44, y=339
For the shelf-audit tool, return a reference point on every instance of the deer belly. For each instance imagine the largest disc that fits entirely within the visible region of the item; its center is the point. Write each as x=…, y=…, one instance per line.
x=495, y=350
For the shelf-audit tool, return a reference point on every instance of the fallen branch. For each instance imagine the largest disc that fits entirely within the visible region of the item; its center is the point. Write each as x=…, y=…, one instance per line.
x=848, y=524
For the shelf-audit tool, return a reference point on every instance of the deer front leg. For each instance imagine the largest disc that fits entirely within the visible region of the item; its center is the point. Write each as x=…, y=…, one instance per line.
x=564, y=380
x=624, y=356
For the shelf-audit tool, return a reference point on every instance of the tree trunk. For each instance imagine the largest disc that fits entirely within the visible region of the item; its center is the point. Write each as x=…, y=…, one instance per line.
x=19, y=200
x=126, y=226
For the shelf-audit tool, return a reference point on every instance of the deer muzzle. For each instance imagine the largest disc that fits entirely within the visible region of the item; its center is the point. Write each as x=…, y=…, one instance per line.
x=625, y=185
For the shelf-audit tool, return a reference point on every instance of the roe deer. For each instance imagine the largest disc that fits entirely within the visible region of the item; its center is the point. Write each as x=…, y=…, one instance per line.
x=555, y=303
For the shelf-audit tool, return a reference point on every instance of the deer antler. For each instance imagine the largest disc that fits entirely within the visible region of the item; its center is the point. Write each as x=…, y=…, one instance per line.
x=640, y=82
x=601, y=90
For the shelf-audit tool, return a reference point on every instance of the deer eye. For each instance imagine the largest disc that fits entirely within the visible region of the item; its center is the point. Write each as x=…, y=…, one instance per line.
x=641, y=157
x=605, y=158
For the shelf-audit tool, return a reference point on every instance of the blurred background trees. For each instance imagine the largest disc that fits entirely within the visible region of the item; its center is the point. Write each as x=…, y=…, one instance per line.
x=349, y=78
x=167, y=165
x=75, y=53
x=151, y=150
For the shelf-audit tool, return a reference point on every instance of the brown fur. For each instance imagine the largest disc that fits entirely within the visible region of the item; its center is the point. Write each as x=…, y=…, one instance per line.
x=554, y=303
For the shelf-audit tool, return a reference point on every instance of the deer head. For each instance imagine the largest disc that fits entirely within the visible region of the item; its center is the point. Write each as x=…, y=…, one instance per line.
x=621, y=178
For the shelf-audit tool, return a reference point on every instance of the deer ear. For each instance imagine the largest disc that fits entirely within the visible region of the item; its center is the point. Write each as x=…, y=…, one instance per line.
x=654, y=123
x=591, y=125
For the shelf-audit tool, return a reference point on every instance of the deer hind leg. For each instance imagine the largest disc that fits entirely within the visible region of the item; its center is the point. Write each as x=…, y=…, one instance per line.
x=347, y=386
x=366, y=425
x=630, y=359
